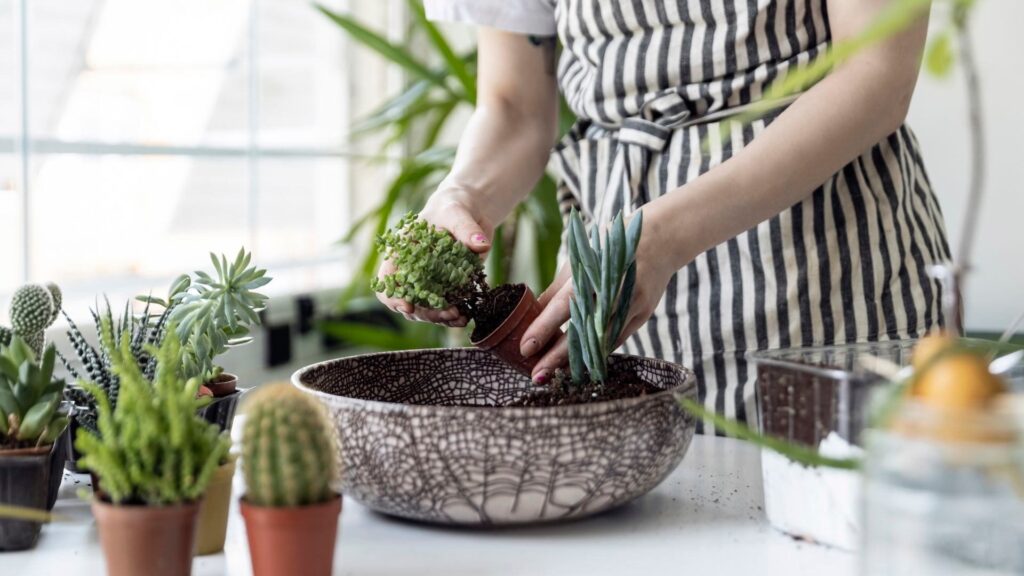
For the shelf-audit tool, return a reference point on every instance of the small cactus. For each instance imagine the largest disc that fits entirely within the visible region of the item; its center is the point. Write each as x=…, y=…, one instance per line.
x=34, y=307
x=288, y=455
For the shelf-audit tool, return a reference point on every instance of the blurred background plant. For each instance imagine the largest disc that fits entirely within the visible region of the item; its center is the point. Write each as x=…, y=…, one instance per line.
x=440, y=82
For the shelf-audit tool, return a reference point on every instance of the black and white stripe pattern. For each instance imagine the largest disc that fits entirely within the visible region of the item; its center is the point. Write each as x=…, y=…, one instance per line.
x=648, y=79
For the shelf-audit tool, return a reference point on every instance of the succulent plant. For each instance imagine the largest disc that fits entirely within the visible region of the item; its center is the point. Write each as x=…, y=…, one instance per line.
x=29, y=397
x=603, y=277
x=94, y=363
x=433, y=269
x=288, y=455
x=152, y=448
x=34, y=307
x=214, y=314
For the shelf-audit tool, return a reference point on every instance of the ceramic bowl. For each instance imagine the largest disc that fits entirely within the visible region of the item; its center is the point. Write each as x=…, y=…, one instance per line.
x=420, y=438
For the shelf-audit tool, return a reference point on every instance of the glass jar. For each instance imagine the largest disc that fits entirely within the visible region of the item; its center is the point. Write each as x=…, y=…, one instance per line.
x=944, y=494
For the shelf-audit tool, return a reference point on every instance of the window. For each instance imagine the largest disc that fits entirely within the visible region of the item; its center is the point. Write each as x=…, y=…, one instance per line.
x=138, y=135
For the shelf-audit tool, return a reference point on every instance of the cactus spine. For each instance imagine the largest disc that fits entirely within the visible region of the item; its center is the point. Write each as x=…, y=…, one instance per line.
x=288, y=452
x=34, y=307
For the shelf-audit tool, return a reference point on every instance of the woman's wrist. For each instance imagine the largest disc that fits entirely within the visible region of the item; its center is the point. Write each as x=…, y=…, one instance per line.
x=666, y=227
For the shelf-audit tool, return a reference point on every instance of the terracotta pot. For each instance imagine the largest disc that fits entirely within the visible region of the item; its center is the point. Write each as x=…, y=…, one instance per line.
x=24, y=481
x=222, y=385
x=151, y=540
x=503, y=342
x=213, y=510
x=295, y=540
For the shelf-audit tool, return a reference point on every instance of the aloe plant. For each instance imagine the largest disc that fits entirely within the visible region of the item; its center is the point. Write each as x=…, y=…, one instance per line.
x=603, y=278
x=30, y=397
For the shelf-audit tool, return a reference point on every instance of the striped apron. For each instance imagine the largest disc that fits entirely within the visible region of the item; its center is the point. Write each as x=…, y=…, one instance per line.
x=651, y=82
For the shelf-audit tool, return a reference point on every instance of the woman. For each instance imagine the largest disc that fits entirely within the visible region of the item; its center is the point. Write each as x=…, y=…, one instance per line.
x=812, y=226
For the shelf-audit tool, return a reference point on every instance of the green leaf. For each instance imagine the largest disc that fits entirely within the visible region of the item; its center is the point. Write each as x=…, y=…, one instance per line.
x=455, y=64
x=576, y=365
x=939, y=58
x=622, y=307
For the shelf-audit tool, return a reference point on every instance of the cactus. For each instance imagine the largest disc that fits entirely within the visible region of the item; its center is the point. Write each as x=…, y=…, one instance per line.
x=30, y=397
x=288, y=455
x=34, y=307
x=602, y=282
x=152, y=448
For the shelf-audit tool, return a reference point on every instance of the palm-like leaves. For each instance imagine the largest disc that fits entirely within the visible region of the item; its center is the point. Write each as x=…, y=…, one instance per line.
x=603, y=278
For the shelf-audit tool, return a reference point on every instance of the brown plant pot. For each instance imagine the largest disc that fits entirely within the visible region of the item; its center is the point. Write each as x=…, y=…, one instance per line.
x=294, y=540
x=222, y=385
x=213, y=510
x=150, y=540
x=504, y=340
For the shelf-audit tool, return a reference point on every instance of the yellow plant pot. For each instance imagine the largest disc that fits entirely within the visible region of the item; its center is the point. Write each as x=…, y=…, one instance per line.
x=213, y=512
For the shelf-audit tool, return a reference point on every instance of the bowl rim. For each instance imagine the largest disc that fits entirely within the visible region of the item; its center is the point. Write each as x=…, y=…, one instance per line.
x=688, y=387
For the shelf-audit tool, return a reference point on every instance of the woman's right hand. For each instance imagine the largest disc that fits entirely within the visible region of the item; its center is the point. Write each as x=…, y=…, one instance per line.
x=451, y=210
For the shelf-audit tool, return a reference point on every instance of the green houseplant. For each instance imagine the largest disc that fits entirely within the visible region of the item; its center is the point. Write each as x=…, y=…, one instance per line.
x=290, y=506
x=154, y=457
x=32, y=421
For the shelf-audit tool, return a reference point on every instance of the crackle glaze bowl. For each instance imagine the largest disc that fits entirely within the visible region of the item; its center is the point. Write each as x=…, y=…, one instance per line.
x=420, y=438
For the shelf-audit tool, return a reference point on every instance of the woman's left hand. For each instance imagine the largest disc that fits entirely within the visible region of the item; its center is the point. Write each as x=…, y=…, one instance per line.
x=654, y=268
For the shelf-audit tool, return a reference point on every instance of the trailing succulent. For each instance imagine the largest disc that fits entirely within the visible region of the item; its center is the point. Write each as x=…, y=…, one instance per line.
x=603, y=278
x=34, y=307
x=30, y=397
x=214, y=314
x=433, y=269
x=288, y=455
x=152, y=448
x=94, y=363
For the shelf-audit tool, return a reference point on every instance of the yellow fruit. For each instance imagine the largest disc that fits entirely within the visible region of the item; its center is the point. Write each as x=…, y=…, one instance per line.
x=958, y=382
x=927, y=347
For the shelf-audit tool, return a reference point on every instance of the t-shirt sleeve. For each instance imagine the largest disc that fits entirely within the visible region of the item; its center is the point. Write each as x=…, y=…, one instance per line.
x=536, y=17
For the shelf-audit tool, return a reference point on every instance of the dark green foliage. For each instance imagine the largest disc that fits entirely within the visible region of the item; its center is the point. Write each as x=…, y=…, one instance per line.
x=288, y=450
x=603, y=277
x=433, y=269
x=152, y=448
x=29, y=397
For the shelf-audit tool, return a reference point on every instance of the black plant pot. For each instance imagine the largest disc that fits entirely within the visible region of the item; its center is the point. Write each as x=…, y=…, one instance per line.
x=71, y=453
x=222, y=410
x=24, y=482
x=57, y=457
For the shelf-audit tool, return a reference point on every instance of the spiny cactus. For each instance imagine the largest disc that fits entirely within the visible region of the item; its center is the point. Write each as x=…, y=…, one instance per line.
x=29, y=397
x=34, y=307
x=288, y=455
x=152, y=448
x=603, y=278
x=433, y=269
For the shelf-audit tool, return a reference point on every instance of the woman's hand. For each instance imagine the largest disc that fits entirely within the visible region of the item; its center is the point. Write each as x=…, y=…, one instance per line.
x=656, y=261
x=451, y=210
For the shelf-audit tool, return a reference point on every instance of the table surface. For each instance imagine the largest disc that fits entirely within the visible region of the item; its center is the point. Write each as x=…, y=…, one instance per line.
x=707, y=517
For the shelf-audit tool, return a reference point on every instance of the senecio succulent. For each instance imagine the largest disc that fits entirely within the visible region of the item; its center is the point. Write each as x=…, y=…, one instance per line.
x=603, y=277
x=152, y=448
x=30, y=397
x=34, y=307
x=433, y=269
x=288, y=455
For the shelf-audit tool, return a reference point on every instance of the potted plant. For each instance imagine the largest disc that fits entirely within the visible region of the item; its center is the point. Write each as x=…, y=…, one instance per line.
x=212, y=523
x=154, y=458
x=290, y=506
x=31, y=423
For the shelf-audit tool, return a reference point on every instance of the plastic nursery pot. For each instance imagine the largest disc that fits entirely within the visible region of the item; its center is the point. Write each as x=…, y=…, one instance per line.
x=504, y=340
x=24, y=481
x=213, y=510
x=292, y=540
x=221, y=410
x=151, y=540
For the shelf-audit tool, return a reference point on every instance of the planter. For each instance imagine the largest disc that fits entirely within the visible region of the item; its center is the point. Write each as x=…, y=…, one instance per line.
x=221, y=411
x=72, y=454
x=504, y=340
x=151, y=540
x=213, y=510
x=295, y=540
x=24, y=481
x=223, y=385
x=421, y=437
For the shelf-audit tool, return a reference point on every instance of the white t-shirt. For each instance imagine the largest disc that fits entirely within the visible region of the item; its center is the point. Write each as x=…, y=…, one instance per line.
x=536, y=17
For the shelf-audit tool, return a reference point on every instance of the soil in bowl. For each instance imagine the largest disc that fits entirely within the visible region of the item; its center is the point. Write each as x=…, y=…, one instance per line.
x=622, y=383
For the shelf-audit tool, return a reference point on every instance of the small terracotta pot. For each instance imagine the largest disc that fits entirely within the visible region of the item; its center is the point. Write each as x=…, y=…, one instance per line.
x=213, y=510
x=222, y=385
x=295, y=540
x=504, y=340
x=151, y=540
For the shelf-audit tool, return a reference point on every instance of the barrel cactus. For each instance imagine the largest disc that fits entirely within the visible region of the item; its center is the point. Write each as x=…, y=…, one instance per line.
x=288, y=455
x=34, y=307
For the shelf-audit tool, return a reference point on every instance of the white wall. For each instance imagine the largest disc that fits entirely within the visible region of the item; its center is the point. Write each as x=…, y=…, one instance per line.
x=938, y=115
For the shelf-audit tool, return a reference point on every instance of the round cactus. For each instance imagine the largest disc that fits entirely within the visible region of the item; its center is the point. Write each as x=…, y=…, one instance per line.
x=31, y=309
x=288, y=449
x=57, y=300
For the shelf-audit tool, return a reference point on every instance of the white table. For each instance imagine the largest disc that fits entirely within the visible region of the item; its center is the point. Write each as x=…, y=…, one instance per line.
x=707, y=518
